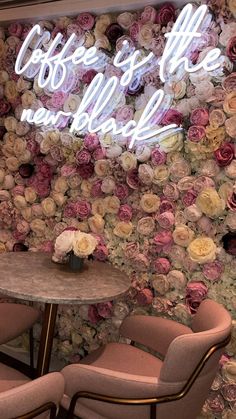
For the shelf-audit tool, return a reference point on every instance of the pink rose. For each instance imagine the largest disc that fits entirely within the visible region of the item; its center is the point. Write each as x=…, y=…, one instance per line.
x=231, y=49
x=189, y=198
x=166, y=219
x=148, y=15
x=215, y=402
x=203, y=182
x=229, y=83
x=125, y=212
x=89, y=76
x=4, y=107
x=15, y=29
x=74, y=28
x=47, y=247
x=121, y=191
x=195, y=293
x=68, y=170
x=199, y=116
x=124, y=114
x=134, y=30
x=96, y=190
x=83, y=209
x=105, y=310
x=172, y=116
x=83, y=157
x=213, y=270
x=91, y=141
x=144, y=297
x=166, y=206
x=58, y=99
x=163, y=240
x=86, y=170
x=231, y=202
x=205, y=224
x=99, y=153
x=225, y=154
x=85, y=21
x=196, y=133
x=228, y=391
x=93, y=315
x=140, y=263
x=132, y=179
x=101, y=252
x=18, y=190
x=171, y=191
x=165, y=14
x=162, y=265
x=158, y=156
x=131, y=250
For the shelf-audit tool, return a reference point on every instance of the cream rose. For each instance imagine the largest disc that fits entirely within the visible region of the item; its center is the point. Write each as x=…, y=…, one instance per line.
x=210, y=203
x=38, y=227
x=160, y=283
x=30, y=194
x=8, y=182
x=64, y=242
x=27, y=214
x=123, y=229
x=19, y=146
x=230, y=170
x=171, y=143
x=160, y=174
x=10, y=123
x=49, y=207
x=232, y=7
x=229, y=104
x=99, y=207
x=146, y=226
x=150, y=203
x=96, y=224
x=108, y=185
x=2, y=175
x=11, y=90
x=230, y=221
x=72, y=103
x=2, y=248
x=125, y=20
x=83, y=244
x=128, y=161
x=183, y=235
x=112, y=204
x=102, y=167
x=202, y=250
x=61, y=185
x=229, y=371
x=20, y=202
x=12, y=164
x=59, y=198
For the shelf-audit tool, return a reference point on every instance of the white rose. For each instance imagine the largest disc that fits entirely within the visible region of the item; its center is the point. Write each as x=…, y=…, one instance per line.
x=128, y=161
x=143, y=153
x=64, y=242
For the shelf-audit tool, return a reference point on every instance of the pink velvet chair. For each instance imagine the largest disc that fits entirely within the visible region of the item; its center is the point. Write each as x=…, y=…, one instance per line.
x=121, y=381
x=21, y=398
x=15, y=319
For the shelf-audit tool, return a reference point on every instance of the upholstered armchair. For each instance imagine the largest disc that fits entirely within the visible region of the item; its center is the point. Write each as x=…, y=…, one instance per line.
x=121, y=381
x=15, y=319
x=21, y=398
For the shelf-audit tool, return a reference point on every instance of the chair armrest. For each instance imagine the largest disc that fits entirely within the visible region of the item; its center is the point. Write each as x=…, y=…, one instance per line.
x=27, y=397
x=154, y=332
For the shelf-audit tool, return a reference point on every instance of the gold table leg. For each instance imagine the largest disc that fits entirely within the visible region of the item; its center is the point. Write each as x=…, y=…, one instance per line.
x=46, y=338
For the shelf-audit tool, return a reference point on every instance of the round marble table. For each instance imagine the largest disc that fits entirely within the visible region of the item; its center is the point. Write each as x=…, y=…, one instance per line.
x=34, y=277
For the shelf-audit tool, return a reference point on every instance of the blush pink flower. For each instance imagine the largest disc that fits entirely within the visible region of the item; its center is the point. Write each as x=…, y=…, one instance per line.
x=83, y=157
x=166, y=219
x=121, y=191
x=163, y=240
x=125, y=212
x=83, y=209
x=196, y=133
x=199, y=116
x=85, y=21
x=101, y=252
x=91, y=141
x=195, y=293
x=96, y=190
x=162, y=265
x=158, y=157
x=213, y=270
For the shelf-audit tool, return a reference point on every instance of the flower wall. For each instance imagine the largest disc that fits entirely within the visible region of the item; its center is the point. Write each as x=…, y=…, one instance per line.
x=164, y=214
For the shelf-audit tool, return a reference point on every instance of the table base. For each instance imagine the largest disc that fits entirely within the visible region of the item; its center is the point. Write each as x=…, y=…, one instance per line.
x=46, y=339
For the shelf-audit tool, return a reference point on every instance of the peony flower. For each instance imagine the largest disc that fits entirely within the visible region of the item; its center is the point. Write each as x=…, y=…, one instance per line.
x=202, y=250
x=123, y=229
x=162, y=265
x=163, y=240
x=195, y=293
x=183, y=235
x=125, y=212
x=145, y=226
x=199, y=116
x=165, y=14
x=85, y=21
x=166, y=219
x=158, y=157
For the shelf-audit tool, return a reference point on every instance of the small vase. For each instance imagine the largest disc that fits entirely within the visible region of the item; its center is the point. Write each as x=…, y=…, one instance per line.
x=75, y=263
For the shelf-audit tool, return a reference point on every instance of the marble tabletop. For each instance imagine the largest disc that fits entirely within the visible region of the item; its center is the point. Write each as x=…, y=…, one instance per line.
x=34, y=277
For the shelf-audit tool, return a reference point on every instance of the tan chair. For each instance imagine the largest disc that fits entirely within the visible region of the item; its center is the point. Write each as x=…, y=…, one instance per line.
x=21, y=398
x=15, y=319
x=121, y=381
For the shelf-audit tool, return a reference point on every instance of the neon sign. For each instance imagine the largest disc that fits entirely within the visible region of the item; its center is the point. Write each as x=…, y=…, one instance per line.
x=98, y=104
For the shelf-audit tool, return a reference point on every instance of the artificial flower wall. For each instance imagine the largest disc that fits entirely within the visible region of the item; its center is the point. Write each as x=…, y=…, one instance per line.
x=165, y=214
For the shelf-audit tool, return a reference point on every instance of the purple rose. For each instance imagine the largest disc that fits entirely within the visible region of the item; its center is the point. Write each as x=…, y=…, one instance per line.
x=213, y=270
x=165, y=14
x=121, y=191
x=162, y=265
x=83, y=209
x=196, y=133
x=85, y=21
x=125, y=212
x=113, y=32
x=58, y=99
x=134, y=30
x=83, y=157
x=89, y=76
x=195, y=293
x=101, y=252
x=91, y=141
x=166, y=206
x=172, y=116
x=158, y=156
x=229, y=243
x=124, y=114
x=86, y=170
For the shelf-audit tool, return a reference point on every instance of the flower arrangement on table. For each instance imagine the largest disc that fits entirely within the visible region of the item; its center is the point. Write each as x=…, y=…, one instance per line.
x=74, y=246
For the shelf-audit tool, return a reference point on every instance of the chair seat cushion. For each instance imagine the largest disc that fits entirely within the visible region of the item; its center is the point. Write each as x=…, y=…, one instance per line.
x=124, y=358
x=15, y=319
x=10, y=378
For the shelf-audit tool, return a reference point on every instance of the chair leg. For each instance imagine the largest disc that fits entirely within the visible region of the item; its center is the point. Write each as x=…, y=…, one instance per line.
x=153, y=411
x=31, y=348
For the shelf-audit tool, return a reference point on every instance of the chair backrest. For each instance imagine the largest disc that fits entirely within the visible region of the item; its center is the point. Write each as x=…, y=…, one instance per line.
x=211, y=325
